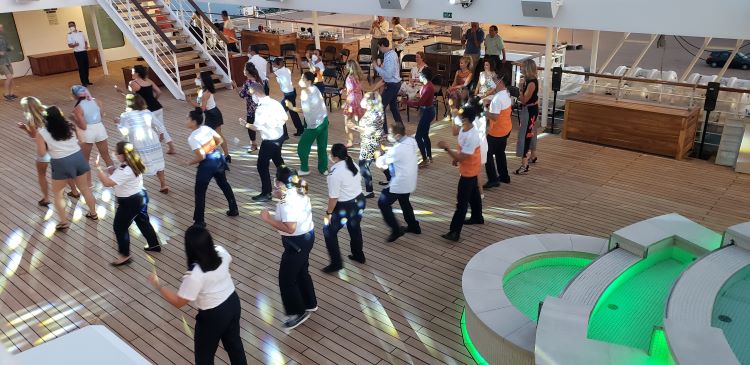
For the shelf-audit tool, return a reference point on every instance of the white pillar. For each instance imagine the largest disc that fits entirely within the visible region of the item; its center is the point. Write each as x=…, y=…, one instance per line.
x=594, y=51
x=547, y=76
x=99, y=46
x=316, y=29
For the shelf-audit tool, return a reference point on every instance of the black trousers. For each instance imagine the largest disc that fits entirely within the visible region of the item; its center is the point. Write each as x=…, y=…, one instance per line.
x=364, y=170
x=129, y=209
x=385, y=203
x=497, y=164
x=389, y=96
x=82, y=59
x=468, y=195
x=292, y=97
x=212, y=167
x=270, y=150
x=295, y=283
x=347, y=213
x=251, y=133
x=221, y=323
x=232, y=47
x=266, y=89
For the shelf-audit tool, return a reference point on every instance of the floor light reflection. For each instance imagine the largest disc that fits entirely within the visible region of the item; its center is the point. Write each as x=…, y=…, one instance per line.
x=273, y=355
x=266, y=310
x=48, y=214
x=54, y=334
x=15, y=239
x=12, y=265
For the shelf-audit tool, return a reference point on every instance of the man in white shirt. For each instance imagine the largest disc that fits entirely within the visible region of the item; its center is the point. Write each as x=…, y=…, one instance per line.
x=390, y=70
x=77, y=41
x=401, y=162
x=284, y=79
x=378, y=30
x=261, y=64
x=270, y=119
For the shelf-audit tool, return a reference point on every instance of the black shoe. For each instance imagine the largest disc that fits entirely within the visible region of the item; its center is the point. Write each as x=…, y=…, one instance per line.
x=522, y=170
x=156, y=248
x=361, y=260
x=383, y=183
x=395, y=235
x=89, y=83
x=298, y=134
x=451, y=236
x=506, y=181
x=533, y=160
x=233, y=212
x=469, y=222
x=332, y=268
x=492, y=184
x=228, y=159
x=370, y=195
x=199, y=224
x=262, y=197
x=415, y=230
x=295, y=320
x=9, y=97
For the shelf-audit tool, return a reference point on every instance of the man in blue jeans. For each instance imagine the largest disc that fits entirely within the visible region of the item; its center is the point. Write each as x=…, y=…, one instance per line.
x=390, y=70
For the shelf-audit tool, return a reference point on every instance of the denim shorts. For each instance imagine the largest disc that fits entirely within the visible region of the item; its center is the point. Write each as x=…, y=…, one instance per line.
x=69, y=167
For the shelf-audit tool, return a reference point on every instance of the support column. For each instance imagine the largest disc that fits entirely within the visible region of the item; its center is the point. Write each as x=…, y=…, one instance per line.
x=594, y=51
x=99, y=46
x=316, y=29
x=547, y=76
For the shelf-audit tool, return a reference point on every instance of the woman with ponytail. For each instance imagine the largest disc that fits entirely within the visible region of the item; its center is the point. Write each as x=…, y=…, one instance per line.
x=132, y=201
x=346, y=204
x=293, y=220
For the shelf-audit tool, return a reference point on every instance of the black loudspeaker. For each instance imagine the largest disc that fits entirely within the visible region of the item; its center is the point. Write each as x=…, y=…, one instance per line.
x=712, y=93
x=556, y=78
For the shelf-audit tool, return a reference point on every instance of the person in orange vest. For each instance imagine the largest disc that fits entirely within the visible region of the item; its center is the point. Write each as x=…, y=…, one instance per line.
x=499, y=126
x=469, y=160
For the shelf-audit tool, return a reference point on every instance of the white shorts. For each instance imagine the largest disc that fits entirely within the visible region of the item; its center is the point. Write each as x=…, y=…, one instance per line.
x=95, y=133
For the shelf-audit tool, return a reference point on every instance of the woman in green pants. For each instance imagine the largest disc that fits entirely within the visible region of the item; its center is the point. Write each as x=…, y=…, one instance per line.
x=316, y=129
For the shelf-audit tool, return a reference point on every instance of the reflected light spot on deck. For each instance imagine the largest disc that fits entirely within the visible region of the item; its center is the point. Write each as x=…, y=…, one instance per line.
x=49, y=229
x=266, y=310
x=14, y=260
x=48, y=214
x=77, y=214
x=54, y=334
x=273, y=355
x=106, y=195
x=15, y=239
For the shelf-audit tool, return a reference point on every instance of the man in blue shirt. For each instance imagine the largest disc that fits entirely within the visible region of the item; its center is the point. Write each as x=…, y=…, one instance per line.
x=390, y=70
x=473, y=40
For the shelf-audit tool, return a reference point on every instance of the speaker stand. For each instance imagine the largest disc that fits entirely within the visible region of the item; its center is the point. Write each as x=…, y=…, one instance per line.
x=554, y=110
x=703, y=137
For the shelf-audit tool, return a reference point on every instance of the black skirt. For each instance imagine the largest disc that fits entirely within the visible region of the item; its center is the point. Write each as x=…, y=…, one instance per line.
x=213, y=118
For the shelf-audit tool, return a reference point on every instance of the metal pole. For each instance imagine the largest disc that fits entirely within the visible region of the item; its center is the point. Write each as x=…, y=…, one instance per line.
x=99, y=46
x=316, y=30
x=547, y=75
x=703, y=135
x=554, y=109
x=594, y=55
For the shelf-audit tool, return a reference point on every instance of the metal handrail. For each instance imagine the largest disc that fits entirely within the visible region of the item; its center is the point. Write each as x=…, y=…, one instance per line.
x=153, y=24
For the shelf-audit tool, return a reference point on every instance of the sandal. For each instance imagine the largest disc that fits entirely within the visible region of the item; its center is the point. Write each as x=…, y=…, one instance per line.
x=164, y=191
x=92, y=216
x=43, y=203
x=62, y=226
x=74, y=196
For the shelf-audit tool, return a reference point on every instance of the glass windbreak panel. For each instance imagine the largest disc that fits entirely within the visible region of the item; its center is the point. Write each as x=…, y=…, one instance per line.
x=11, y=36
x=111, y=35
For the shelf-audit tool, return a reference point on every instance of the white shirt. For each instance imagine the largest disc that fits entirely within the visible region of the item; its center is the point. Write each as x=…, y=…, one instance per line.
x=399, y=32
x=381, y=30
x=342, y=184
x=270, y=118
x=210, y=104
x=208, y=289
x=77, y=37
x=500, y=102
x=401, y=161
x=284, y=78
x=60, y=149
x=262, y=65
x=313, y=106
x=127, y=183
x=468, y=140
x=318, y=63
x=201, y=137
x=295, y=208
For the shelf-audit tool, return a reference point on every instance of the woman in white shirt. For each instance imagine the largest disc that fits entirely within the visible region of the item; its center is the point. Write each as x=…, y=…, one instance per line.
x=205, y=101
x=412, y=87
x=486, y=86
x=132, y=201
x=346, y=204
x=204, y=142
x=87, y=114
x=139, y=127
x=208, y=284
x=59, y=140
x=399, y=36
x=293, y=220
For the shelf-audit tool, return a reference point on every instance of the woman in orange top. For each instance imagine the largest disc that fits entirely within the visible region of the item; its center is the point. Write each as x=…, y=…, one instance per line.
x=499, y=126
x=229, y=33
x=459, y=91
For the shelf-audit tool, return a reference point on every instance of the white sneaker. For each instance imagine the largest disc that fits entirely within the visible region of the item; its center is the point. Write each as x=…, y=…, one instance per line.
x=312, y=309
x=303, y=173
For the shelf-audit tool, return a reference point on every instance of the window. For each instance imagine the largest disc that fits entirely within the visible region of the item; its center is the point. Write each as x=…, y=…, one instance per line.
x=11, y=36
x=111, y=35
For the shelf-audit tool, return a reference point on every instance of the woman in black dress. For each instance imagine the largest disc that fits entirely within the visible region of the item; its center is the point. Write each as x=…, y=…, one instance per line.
x=150, y=92
x=529, y=99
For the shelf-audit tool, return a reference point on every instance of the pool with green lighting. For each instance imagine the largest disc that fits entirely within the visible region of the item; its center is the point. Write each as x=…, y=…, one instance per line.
x=630, y=312
x=534, y=278
x=732, y=315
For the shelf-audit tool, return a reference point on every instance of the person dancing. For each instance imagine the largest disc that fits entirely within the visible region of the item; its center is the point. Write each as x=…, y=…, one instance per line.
x=270, y=122
x=401, y=161
x=87, y=115
x=426, y=104
x=33, y=110
x=209, y=285
x=346, y=205
x=293, y=220
x=352, y=109
x=284, y=79
x=137, y=127
x=203, y=140
x=150, y=92
x=251, y=101
x=205, y=100
x=498, y=130
x=526, y=145
x=371, y=137
x=132, y=201
x=468, y=158
x=58, y=138
x=316, y=119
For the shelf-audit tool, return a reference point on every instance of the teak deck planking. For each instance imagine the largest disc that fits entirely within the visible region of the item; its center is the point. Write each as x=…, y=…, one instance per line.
x=402, y=307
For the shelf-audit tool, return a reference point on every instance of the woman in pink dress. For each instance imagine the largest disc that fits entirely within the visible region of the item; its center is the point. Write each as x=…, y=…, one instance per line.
x=352, y=109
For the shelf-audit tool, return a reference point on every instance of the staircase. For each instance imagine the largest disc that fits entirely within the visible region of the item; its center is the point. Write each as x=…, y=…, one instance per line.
x=159, y=31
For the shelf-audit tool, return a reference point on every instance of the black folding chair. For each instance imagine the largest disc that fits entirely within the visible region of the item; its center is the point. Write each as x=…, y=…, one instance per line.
x=331, y=88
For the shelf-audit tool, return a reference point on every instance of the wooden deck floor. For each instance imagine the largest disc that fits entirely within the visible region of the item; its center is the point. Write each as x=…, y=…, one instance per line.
x=403, y=306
